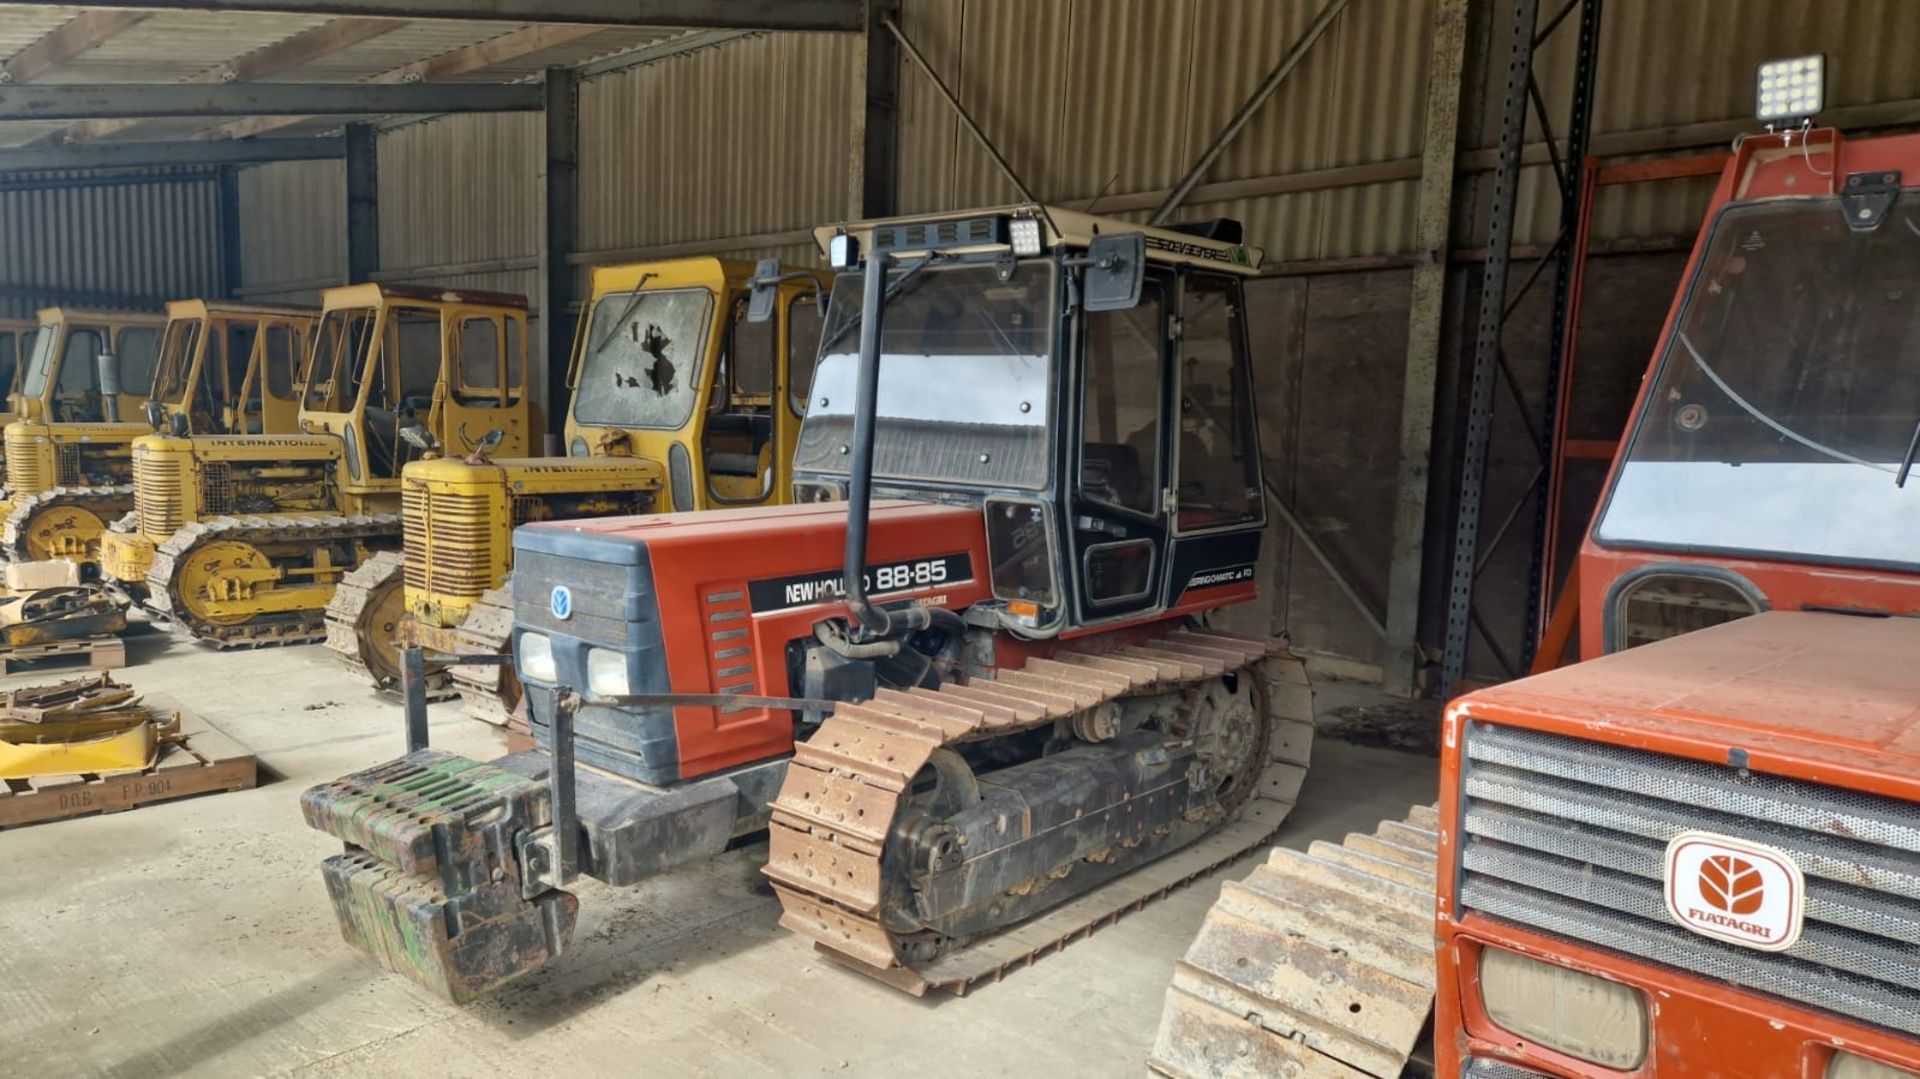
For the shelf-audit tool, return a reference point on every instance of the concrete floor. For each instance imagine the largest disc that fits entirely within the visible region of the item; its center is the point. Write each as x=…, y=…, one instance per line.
x=195, y=937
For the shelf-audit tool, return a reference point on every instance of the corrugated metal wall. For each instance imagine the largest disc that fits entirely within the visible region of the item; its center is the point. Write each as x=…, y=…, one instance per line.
x=727, y=144
x=293, y=230
x=459, y=191
x=93, y=239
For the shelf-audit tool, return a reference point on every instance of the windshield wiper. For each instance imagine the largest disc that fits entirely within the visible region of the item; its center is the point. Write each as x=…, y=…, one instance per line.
x=893, y=290
x=1783, y=429
x=626, y=313
x=1906, y=463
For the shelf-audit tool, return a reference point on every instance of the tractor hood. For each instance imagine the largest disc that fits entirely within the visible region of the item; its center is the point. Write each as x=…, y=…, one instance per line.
x=537, y=475
x=1825, y=697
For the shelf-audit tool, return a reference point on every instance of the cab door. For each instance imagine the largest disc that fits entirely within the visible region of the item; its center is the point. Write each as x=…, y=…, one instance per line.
x=1219, y=506
x=1117, y=503
x=484, y=388
x=738, y=435
x=268, y=400
x=136, y=351
x=801, y=322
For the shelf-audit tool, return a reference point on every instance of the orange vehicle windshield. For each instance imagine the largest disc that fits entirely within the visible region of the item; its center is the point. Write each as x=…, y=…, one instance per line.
x=1783, y=411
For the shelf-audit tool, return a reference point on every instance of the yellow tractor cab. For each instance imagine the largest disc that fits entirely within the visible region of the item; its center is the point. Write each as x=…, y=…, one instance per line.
x=679, y=402
x=231, y=368
x=222, y=367
x=240, y=539
x=667, y=366
x=58, y=382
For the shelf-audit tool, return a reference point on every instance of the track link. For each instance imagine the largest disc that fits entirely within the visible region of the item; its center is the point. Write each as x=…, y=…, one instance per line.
x=1319, y=963
x=490, y=694
x=105, y=502
x=292, y=627
x=838, y=805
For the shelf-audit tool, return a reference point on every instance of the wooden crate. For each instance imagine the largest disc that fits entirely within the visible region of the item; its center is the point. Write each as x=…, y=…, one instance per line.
x=101, y=653
x=205, y=762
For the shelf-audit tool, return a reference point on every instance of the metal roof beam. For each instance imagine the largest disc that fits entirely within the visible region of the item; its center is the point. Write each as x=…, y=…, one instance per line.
x=837, y=15
x=129, y=101
x=481, y=56
x=288, y=54
x=83, y=33
x=116, y=155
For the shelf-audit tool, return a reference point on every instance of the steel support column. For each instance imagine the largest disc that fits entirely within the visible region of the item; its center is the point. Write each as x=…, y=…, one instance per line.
x=1432, y=237
x=1489, y=361
x=876, y=178
x=230, y=246
x=363, y=203
x=560, y=235
x=1493, y=299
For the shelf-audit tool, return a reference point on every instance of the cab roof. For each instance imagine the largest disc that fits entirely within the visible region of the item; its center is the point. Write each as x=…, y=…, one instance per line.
x=373, y=293
x=51, y=315
x=198, y=308
x=1831, y=697
x=1070, y=229
x=703, y=270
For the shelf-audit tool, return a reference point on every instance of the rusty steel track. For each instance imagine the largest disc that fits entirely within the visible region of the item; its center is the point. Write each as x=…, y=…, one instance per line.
x=1319, y=963
x=848, y=783
x=490, y=694
x=300, y=533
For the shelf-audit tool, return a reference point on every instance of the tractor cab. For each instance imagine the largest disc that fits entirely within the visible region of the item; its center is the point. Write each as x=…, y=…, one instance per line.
x=398, y=371
x=230, y=368
x=1084, y=382
x=61, y=380
x=667, y=366
x=1770, y=462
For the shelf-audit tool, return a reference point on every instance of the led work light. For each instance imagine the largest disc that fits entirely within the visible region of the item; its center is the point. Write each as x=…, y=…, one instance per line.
x=1791, y=90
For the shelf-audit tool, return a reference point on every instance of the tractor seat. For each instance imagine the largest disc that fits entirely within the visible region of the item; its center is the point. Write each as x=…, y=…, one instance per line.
x=734, y=464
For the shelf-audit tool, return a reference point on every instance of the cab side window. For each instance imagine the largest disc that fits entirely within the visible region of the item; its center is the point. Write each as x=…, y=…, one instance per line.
x=804, y=323
x=139, y=348
x=1120, y=436
x=1219, y=467
x=279, y=360
x=478, y=362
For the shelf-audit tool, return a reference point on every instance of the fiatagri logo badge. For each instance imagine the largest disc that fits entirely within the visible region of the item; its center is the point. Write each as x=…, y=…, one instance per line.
x=1732, y=890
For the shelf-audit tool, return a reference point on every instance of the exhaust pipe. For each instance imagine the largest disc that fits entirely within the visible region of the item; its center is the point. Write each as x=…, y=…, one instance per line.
x=108, y=369
x=874, y=622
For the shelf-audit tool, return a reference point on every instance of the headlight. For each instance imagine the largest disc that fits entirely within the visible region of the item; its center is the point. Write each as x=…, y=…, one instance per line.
x=536, y=658
x=1592, y=1019
x=606, y=673
x=1848, y=1066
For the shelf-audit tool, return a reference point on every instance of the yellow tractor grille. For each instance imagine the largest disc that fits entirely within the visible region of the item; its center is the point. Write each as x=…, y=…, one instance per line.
x=157, y=496
x=67, y=465
x=216, y=488
x=449, y=543
x=23, y=467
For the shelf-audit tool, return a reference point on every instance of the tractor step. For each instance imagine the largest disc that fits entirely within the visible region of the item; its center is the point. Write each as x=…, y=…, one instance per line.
x=432, y=883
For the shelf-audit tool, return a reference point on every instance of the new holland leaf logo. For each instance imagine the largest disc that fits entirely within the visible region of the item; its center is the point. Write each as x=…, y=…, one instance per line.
x=1735, y=890
x=1731, y=884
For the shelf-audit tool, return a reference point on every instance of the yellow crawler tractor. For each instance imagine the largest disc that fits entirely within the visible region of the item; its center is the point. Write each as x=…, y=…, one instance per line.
x=241, y=539
x=679, y=403
x=58, y=402
x=223, y=368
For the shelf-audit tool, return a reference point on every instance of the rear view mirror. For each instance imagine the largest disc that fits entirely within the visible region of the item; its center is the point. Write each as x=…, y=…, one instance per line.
x=1116, y=270
x=766, y=291
x=417, y=436
x=156, y=415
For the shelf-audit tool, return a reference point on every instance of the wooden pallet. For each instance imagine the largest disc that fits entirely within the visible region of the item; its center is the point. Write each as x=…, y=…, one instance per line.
x=207, y=761
x=101, y=653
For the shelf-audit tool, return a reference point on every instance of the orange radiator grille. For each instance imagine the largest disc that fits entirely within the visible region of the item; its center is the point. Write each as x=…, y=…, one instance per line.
x=449, y=543
x=157, y=496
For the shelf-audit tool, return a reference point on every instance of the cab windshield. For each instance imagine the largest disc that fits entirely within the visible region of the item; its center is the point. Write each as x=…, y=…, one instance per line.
x=643, y=358
x=40, y=364
x=339, y=357
x=176, y=361
x=965, y=363
x=1789, y=393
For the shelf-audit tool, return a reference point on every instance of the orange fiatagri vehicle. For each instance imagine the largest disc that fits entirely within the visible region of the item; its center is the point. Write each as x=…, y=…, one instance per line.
x=1703, y=857
x=1700, y=857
